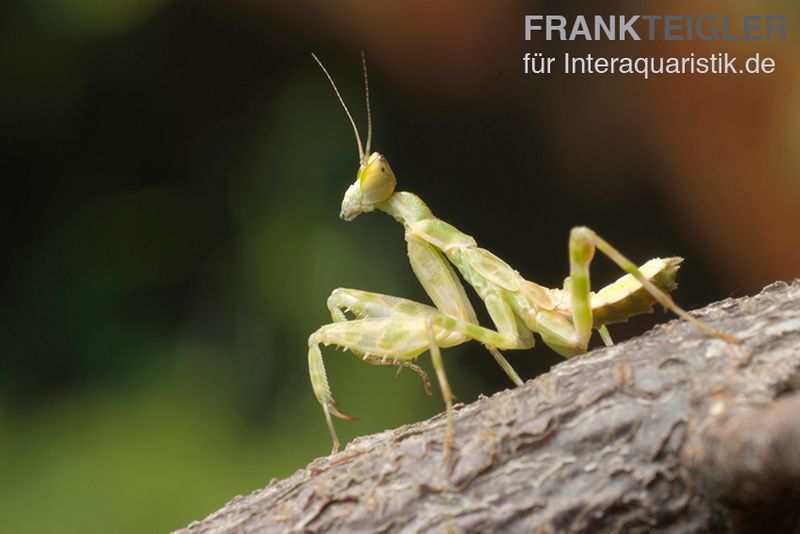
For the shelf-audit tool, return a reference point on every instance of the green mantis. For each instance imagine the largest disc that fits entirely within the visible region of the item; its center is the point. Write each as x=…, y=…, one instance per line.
x=387, y=330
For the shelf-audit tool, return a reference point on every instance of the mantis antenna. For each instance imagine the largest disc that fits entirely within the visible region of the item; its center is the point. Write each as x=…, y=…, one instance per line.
x=369, y=114
x=361, y=155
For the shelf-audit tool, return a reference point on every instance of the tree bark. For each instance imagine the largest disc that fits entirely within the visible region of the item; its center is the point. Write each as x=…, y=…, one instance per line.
x=673, y=431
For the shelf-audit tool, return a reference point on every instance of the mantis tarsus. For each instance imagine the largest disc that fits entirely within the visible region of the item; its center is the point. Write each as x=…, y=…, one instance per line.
x=386, y=330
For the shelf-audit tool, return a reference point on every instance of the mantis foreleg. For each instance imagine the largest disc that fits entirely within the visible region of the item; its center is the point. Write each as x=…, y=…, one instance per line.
x=365, y=304
x=390, y=331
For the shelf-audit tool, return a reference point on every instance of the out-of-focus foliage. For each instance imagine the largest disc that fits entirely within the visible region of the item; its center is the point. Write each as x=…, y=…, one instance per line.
x=170, y=233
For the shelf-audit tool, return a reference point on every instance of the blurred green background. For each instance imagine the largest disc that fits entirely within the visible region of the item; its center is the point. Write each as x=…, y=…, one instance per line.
x=173, y=174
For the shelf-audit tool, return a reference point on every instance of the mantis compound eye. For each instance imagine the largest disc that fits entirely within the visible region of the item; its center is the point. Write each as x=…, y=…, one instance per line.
x=376, y=179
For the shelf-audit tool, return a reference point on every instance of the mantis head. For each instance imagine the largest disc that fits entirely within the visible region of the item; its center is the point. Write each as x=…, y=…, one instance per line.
x=375, y=181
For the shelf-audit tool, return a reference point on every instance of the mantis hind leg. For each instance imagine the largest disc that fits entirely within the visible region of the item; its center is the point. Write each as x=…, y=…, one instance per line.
x=582, y=244
x=605, y=336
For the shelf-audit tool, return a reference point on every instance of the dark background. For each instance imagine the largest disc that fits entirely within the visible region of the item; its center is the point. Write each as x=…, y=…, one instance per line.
x=169, y=219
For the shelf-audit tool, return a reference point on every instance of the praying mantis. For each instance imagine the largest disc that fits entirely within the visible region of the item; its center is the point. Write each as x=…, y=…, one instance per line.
x=388, y=330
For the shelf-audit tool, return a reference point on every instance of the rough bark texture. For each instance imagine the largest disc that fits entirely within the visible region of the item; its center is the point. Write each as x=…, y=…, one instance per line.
x=672, y=431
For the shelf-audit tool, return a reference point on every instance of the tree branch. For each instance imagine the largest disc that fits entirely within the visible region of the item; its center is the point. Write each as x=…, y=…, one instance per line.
x=673, y=430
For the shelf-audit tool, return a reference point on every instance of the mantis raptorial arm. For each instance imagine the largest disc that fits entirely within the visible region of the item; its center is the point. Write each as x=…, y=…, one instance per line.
x=388, y=331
